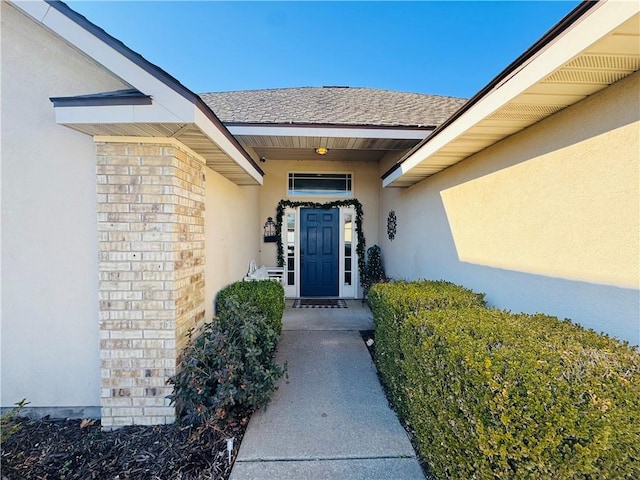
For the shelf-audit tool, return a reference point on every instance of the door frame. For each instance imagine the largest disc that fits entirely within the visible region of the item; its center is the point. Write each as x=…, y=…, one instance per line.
x=344, y=291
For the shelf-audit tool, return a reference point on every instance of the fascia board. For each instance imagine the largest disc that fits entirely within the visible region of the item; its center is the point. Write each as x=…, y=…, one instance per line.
x=114, y=114
x=110, y=58
x=594, y=26
x=335, y=132
x=209, y=129
x=154, y=113
x=35, y=9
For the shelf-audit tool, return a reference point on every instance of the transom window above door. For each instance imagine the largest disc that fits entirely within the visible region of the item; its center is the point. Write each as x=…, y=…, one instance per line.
x=320, y=185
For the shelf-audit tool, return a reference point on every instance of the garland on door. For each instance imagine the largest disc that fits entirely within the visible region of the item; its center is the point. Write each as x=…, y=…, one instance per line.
x=360, y=247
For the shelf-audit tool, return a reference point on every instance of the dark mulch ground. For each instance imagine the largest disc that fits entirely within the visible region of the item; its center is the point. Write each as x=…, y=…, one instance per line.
x=70, y=449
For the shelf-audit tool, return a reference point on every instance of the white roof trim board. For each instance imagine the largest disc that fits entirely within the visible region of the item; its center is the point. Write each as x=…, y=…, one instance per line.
x=544, y=84
x=169, y=106
x=330, y=131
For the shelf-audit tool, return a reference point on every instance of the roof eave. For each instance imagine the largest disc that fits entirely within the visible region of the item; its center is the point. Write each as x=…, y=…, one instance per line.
x=328, y=131
x=168, y=94
x=329, y=125
x=546, y=56
x=153, y=121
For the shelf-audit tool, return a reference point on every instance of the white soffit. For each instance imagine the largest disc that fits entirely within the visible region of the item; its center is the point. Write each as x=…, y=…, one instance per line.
x=326, y=131
x=168, y=105
x=599, y=49
x=225, y=144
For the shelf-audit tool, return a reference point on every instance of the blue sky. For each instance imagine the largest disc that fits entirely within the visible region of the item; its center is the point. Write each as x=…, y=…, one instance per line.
x=446, y=48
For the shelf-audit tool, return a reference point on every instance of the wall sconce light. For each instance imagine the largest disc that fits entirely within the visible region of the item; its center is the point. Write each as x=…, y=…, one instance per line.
x=322, y=150
x=270, y=231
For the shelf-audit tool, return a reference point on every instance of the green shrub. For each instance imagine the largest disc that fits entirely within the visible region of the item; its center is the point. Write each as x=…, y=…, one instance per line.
x=267, y=296
x=495, y=395
x=391, y=303
x=374, y=270
x=228, y=369
x=9, y=422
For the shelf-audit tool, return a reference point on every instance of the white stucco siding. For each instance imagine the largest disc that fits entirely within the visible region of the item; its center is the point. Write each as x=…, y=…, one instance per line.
x=545, y=221
x=50, y=329
x=232, y=233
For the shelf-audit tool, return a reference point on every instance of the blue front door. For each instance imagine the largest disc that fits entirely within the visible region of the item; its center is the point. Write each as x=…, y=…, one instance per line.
x=319, y=242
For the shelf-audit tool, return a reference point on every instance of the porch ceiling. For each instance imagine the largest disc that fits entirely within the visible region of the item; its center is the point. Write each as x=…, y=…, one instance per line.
x=340, y=149
x=490, y=118
x=344, y=144
x=335, y=155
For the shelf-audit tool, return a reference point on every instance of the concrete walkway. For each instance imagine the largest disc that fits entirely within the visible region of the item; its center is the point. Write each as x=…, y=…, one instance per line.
x=330, y=418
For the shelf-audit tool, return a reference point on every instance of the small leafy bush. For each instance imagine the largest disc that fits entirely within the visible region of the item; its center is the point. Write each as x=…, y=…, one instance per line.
x=391, y=304
x=495, y=395
x=9, y=422
x=228, y=369
x=266, y=295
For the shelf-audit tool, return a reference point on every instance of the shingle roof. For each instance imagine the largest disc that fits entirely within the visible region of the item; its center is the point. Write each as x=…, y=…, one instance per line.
x=332, y=106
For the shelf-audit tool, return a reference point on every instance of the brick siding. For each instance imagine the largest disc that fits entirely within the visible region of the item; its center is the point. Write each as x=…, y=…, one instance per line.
x=151, y=267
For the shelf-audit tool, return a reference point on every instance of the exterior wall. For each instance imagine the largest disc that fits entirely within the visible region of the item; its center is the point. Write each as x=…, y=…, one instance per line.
x=50, y=333
x=151, y=264
x=546, y=220
x=365, y=189
x=232, y=234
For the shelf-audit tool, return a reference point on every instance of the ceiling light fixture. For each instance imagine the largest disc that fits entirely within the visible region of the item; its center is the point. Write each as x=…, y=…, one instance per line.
x=322, y=150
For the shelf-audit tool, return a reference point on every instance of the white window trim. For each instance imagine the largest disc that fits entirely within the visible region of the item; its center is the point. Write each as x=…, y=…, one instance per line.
x=348, y=291
x=324, y=197
x=292, y=291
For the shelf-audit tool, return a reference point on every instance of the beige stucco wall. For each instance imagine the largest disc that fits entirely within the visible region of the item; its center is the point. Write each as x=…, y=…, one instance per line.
x=232, y=233
x=50, y=337
x=365, y=189
x=546, y=220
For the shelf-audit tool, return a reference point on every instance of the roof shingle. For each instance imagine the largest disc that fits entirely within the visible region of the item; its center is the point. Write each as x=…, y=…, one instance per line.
x=332, y=106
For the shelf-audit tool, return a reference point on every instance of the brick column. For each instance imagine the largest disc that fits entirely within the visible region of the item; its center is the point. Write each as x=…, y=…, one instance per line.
x=151, y=267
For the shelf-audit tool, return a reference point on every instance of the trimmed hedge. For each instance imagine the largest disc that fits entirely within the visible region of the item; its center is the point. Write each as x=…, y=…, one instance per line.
x=495, y=395
x=391, y=303
x=266, y=295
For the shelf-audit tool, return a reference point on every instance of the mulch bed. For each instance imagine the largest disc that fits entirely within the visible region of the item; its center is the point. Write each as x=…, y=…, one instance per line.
x=76, y=449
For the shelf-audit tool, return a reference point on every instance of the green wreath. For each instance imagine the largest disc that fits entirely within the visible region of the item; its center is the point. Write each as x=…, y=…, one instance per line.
x=360, y=247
